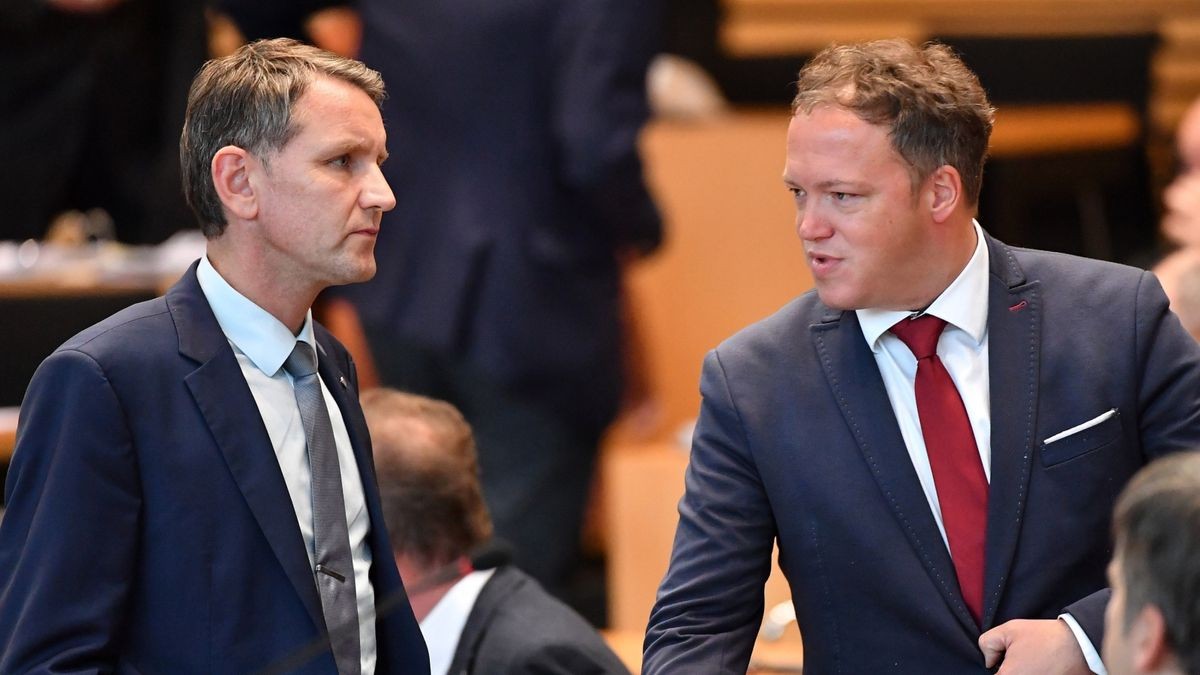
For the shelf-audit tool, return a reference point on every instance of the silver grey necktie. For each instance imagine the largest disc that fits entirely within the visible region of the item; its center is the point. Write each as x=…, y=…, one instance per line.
x=334, y=568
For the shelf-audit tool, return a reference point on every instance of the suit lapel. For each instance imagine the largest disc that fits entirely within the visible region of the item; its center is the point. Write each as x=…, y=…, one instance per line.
x=853, y=375
x=225, y=401
x=491, y=598
x=1014, y=344
x=397, y=633
x=346, y=397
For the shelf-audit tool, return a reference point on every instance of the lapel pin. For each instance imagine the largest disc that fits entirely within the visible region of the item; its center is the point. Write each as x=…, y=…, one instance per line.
x=342, y=379
x=1019, y=306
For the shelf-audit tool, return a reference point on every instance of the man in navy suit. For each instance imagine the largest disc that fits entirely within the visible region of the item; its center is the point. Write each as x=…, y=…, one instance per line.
x=941, y=503
x=162, y=513
x=478, y=614
x=524, y=195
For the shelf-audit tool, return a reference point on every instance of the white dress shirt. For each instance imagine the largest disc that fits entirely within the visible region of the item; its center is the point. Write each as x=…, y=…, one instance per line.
x=444, y=624
x=262, y=343
x=963, y=350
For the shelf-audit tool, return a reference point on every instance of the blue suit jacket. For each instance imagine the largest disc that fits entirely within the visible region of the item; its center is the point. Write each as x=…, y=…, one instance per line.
x=797, y=442
x=148, y=526
x=513, y=128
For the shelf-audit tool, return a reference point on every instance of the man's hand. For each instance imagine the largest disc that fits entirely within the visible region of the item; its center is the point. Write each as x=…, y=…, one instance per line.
x=1037, y=647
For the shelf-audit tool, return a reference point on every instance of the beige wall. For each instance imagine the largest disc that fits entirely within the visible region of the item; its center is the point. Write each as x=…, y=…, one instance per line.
x=732, y=257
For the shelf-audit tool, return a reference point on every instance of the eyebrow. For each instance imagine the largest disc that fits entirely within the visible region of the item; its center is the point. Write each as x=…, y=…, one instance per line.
x=842, y=183
x=829, y=184
x=352, y=146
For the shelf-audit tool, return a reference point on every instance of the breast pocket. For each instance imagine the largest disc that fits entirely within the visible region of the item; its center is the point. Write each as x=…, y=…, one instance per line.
x=1082, y=438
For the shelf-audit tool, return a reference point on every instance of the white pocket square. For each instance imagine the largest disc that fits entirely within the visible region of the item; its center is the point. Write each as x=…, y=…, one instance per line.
x=1080, y=427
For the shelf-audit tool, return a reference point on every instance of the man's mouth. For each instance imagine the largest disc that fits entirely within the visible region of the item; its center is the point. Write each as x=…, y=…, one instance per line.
x=821, y=263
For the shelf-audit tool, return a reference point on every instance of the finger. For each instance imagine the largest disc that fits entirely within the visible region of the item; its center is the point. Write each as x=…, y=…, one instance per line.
x=993, y=645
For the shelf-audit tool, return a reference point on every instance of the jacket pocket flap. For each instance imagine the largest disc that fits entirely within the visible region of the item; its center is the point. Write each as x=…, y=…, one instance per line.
x=1081, y=439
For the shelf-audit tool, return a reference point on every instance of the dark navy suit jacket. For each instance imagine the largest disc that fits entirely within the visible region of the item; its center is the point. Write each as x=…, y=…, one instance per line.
x=517, y=628
x=797, y=443
x=513, y=130
x=148, y=527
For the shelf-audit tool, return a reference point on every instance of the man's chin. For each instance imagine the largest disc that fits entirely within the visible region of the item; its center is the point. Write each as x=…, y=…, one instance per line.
x=834, y=300
x=357, y=275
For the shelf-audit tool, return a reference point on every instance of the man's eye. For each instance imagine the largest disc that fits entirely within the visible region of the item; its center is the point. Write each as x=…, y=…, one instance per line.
x=841, y=196
x=343, y=160
x=796, y=192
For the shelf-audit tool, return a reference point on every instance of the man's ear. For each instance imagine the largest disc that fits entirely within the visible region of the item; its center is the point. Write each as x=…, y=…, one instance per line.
x=946, y=192
x=231, y=167
x=1148, y=640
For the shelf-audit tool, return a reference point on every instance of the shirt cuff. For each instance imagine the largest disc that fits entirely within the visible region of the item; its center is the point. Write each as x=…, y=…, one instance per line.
x=1085, y=644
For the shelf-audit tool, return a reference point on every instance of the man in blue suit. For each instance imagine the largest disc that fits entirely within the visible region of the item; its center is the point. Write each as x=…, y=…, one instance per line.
x=169, y=504
x=478, y=614
x=524, y=196
x=940, y=496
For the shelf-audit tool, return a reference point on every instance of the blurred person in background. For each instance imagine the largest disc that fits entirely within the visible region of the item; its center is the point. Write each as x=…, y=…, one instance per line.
x=92, y=96
x=500, y=277
x=1179, y=271
x=478, y=614
x=1153, y=620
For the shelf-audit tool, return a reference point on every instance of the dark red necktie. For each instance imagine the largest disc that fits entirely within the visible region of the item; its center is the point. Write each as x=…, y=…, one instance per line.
x=962, y=487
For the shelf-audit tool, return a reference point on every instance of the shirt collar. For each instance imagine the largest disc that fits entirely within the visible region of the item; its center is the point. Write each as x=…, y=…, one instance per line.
x=963, y=304
x=444, y=624
x=251, y=329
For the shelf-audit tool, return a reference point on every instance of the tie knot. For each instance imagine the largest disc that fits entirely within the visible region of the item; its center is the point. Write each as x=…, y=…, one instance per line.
x=920, y=335
x=302, y=362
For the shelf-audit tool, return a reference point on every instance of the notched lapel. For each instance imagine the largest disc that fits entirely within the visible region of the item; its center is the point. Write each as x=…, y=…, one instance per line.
x=1014, y=346
x=356, y=425
x=854, y=378
x=228, y=407
x=492, y=597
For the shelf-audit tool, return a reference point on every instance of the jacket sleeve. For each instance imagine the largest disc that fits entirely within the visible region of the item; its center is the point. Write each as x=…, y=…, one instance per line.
x=69, y=536
x=710, y=603
x=1169, y=389
x=1169, y=405
x=603, y=49
x=571, y=658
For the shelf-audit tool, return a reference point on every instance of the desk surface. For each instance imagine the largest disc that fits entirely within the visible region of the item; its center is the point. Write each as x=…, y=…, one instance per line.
x=773, y=27
x=8, y=432
x=1028, y=130
x=58, y=287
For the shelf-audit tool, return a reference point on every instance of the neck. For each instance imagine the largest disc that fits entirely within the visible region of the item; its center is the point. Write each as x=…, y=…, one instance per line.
x=426, y=586
x=254, y=278
x=950, y=260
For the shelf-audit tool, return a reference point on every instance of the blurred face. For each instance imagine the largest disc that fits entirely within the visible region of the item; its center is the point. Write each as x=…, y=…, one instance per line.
x=1117, y=652
x=1181, y=222
x=322, y=195
x=1188, y=140
x=869, y=241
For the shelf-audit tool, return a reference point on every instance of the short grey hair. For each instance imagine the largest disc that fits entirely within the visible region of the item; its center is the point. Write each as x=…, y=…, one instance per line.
x=246, y=100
